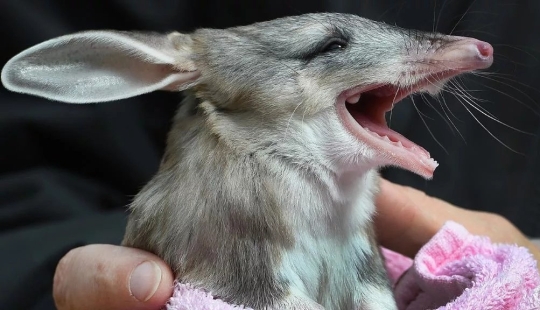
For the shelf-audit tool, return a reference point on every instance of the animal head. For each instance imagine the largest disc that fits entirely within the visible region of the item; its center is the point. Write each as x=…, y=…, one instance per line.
x=318, y=85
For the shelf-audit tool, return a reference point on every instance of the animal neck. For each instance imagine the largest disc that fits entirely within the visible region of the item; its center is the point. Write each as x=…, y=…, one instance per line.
x=311, y=192
x=280, y=171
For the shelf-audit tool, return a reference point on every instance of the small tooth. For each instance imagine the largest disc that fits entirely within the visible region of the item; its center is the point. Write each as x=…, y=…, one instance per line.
x=354, y=99
x=400, y=144
x=386, y=138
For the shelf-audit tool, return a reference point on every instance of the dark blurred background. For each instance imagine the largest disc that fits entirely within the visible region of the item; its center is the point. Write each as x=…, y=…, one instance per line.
x=67, y=172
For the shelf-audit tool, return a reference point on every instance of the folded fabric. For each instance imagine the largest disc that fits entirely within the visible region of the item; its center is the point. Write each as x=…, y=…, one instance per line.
x=454, y=271
x=457, y=270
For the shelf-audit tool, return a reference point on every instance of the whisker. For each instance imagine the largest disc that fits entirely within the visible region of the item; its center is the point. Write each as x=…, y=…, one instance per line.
x=290, y=118
x=461, y=87
x=390, y=9
x=426, y=100
x=513, y=98
x=434, y=14
x=487, y=130
x=440, y=13
x=476, y=31
x=423, y=114
x=454, y=85
x=427, y=127
x=304, y=116
x=494, y=76
x=393, y=103
x=447, y=119
x=451, y=113
x=517, y=48
x=489, y=115
x=462, y=16
x=513, y=87
x=463, y=94
x=512, y=60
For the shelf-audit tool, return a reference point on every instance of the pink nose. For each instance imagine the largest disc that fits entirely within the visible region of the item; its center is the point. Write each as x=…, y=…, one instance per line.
x=466, y=53
x=484, y=49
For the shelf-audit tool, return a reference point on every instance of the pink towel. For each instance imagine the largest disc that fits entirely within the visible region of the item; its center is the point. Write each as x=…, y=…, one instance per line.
x=455, y=270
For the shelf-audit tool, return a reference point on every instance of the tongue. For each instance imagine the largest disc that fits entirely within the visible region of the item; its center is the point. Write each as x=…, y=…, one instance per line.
x=394, y=147
x=382, y=130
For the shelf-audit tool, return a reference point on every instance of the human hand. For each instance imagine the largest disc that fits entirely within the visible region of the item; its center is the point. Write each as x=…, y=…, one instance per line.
x=407, y=219
x=111, y=277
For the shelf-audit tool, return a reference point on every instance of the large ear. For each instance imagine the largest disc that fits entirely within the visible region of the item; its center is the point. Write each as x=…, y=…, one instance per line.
x=98, y=66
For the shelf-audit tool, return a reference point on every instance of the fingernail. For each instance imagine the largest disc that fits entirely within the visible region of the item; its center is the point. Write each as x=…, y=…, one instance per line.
x=144, y=280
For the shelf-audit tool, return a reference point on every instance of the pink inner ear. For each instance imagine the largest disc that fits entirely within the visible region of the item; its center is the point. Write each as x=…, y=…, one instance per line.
x=100, y=66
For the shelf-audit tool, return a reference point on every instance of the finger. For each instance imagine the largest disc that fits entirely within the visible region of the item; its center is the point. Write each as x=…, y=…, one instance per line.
x=111, y=277
x=407, y=218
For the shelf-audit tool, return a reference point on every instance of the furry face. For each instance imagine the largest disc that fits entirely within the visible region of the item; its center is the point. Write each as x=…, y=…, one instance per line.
x=330, y=78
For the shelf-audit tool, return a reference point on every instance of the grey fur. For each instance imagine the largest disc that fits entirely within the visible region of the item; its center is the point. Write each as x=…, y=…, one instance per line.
x=259, y=173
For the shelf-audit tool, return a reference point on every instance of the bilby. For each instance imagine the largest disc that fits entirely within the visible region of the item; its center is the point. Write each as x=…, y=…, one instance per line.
x=265, y=193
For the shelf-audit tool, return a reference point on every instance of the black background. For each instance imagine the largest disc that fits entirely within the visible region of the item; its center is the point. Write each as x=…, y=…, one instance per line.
x=67, y=171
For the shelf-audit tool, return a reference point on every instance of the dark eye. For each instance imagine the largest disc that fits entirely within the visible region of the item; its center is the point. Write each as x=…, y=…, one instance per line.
x=334, y=45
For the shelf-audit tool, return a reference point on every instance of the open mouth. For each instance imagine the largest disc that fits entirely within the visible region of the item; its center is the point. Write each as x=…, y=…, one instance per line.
x=362, y=111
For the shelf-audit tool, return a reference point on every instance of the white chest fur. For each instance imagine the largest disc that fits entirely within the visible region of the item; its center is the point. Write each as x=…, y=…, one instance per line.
x=332, y=253
x=323, y=269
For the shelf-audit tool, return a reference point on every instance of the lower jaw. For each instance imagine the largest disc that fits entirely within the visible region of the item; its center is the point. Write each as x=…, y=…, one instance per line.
x=387, y=151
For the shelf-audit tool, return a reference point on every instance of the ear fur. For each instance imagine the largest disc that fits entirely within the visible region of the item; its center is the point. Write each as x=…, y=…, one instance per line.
x=99, y=66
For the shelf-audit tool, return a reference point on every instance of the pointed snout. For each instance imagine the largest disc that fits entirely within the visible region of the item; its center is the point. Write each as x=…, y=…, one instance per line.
x=465, y=54
x=462, y=53
x=475, y=51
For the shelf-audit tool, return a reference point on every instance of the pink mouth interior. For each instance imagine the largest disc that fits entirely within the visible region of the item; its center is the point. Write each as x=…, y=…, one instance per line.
x=366, y=120
x=362, y=109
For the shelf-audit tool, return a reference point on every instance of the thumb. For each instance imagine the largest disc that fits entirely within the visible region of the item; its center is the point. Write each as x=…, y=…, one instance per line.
x=111, y=277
